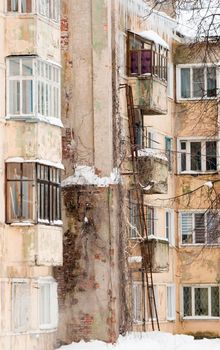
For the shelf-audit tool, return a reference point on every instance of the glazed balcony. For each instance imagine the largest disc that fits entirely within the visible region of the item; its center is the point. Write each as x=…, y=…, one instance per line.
x=147, y=71
x=155, y=254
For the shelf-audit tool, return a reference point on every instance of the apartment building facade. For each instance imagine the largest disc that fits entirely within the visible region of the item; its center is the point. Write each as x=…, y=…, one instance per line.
x=140, y=188
x=31, y=155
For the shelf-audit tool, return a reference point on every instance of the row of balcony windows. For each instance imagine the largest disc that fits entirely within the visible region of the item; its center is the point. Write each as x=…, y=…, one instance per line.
x=33, y=193
x=196, y=227
x=47, y=8
x=33, y=88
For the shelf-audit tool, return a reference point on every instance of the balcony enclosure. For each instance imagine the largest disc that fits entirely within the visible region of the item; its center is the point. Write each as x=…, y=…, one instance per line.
x=33, y=89
x=47, y=8
x=155, y=254
x=147, y=60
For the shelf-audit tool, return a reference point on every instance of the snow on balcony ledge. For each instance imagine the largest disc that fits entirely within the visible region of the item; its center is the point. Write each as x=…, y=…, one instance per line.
x=135, y=259
x=85, y=175
x=150, y=152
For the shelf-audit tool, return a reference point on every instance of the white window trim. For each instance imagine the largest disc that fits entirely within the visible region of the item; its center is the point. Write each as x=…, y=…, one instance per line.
x=195, y=65
x=173, y=306
x=194, y=317
x=37, y=79
x=194, y=211
x=53, y=303
x=171, y=238
x=203, y=141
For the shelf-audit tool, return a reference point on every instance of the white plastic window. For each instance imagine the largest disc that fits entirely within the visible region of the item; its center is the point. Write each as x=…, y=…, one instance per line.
x=201, y=301
x=33, y=88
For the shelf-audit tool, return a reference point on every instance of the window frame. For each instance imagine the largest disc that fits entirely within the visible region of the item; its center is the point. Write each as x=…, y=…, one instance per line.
x=25, y=282
x=170, y=228
x=193, y=213
x=191, y=66
x=137, y=288
x=197, y=317
x=187, y=152
x=45, y=74
x=53, y=303
x=39, y=7
x=52, y=219
x=171, y=307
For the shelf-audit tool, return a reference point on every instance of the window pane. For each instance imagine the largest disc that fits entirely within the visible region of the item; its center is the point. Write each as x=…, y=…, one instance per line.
x=42, y=201
x=58, y=204
x=183, y=161
x=28, y=171
x=186, y=226
x=150, y=221
x=187, y=301
x=26, y=6
x=134, y=220
x=13, y=200
x=14, y=97
x=211, y=82
x=13, y=5
x=14, y=66
x=201, y=301
x=146, y=61
x=167, y=225
x=215, y=302
x=199, y=228
x=45, y=301
x=211, y=163
x=21, y=305
x=14, y=171
x=185, y=82
x=213, y=232
x=137, y=302
x=27, y=200
x=195, y=152
x=27, y=67
x=27, y=96
x=198, y=82
x=134, y=62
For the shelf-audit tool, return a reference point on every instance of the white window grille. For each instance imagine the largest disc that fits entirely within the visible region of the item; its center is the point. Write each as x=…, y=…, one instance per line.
x=33, y=88
x=201, y=301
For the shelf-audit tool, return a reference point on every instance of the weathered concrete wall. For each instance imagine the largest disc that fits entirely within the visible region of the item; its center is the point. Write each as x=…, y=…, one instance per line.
x=31, y=35
x=86, y=105
x=89, y=280
x=42, y=141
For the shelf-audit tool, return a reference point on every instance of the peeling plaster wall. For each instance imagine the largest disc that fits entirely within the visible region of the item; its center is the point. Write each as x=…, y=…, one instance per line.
x=89, y=279
x=26, y=252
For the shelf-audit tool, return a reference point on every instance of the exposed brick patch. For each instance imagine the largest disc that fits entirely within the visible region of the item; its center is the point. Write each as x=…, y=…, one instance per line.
x=64, y=33
x=67, y=144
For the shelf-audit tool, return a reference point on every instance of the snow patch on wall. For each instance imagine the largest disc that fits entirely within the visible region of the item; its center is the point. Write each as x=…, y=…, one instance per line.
x=85, y=175
x=150, y=152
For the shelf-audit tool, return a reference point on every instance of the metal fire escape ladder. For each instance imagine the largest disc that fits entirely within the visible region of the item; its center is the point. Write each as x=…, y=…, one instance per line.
x=140, y=204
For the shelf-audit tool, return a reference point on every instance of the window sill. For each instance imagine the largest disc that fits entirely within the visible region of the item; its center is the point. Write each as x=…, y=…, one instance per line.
x=192, y=172
x=32, y=119
x=22, y=224
x=194, y=245
x=196, y=99
x=200, y=318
